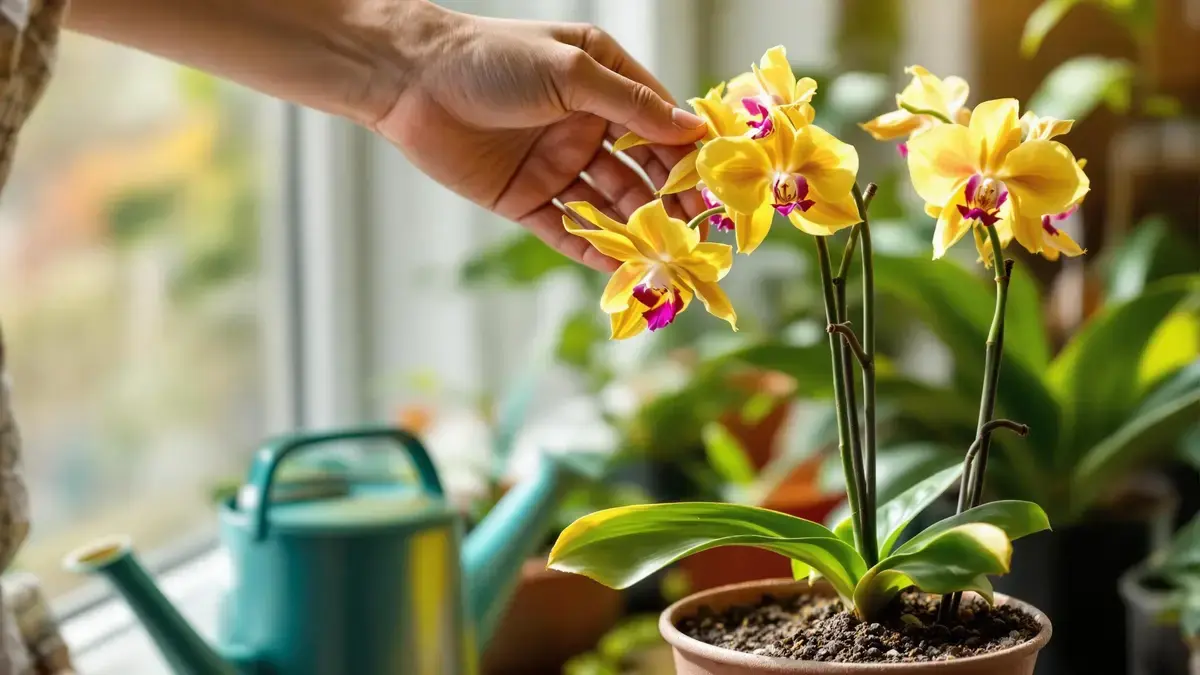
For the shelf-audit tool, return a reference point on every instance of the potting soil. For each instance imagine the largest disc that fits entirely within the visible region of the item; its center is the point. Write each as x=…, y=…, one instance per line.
x=814, y=628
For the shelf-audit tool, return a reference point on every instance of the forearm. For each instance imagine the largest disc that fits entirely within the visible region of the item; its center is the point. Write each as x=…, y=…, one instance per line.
x=346, y=57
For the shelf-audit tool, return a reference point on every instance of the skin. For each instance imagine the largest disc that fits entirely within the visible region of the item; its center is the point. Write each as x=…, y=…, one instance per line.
x=512, y=115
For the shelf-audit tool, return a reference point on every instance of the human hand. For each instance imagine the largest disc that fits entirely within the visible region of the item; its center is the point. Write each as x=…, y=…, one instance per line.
x=513, y=114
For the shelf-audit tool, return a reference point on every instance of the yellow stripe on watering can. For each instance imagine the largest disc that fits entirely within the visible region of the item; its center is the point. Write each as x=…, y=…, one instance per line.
x=433, y=612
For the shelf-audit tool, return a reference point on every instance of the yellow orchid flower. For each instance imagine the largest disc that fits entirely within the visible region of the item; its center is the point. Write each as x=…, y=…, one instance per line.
x=722, y=120
x=1043, y=128
x=777, y=87
x=663, y=264
x=969, y=174
x=1055, y=241
x=926, y=91
x=799, y=171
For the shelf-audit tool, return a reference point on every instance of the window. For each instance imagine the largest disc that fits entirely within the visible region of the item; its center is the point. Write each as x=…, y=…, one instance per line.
x=130, y=301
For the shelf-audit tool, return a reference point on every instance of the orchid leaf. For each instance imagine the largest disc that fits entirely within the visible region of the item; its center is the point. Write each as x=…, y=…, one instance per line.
x=1041, y=21
x=1096, y=375
x=956, y=559
x=896, y=514
x=1015, y=518
x=957, y=305
x=1155, y=431
x=619, y=547
x=726, y=455
x=1150, y=252
x=1076, y=87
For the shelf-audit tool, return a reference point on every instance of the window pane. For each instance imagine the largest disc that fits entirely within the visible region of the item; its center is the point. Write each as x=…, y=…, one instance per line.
x=129, y=301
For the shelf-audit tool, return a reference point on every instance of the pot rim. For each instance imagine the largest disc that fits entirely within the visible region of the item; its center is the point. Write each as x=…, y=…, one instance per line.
x=684, y=643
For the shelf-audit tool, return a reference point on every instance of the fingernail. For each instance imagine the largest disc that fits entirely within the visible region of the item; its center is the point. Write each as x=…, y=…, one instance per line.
x=686, y=120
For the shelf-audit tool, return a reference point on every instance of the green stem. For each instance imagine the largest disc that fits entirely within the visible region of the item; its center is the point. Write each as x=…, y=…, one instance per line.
x=925, y=111
x=851, y=469
x=706, y=214
x=868, y=338
x=975, y=465
x=847, y=358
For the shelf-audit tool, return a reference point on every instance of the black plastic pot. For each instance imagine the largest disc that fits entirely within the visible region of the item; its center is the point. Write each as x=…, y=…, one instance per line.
x=1154, y=643
x=1073, y=574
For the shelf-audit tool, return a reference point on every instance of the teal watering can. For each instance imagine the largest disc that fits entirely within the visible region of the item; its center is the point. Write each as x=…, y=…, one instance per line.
x=358, y=577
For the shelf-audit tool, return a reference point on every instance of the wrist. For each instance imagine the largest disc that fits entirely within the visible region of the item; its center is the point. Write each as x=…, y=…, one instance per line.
x=393, y=42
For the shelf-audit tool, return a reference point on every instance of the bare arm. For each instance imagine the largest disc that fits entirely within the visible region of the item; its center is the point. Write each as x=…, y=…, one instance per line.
x=510, y=114
x=340, y=56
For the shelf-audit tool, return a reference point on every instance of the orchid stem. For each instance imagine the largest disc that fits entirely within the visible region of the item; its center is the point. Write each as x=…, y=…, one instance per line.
x=925, y=111
x=972, y=482
x=716, y=210
x=868, y=336
x=847, y=333
x=851, y=461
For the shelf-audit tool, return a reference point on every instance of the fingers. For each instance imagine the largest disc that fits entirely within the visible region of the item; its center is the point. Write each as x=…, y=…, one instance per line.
x=587, y=85
x=657, y=161
x=546, y=224
x=619, y=184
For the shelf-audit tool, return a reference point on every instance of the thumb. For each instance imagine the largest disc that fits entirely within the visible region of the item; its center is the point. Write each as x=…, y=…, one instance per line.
x=592, y=88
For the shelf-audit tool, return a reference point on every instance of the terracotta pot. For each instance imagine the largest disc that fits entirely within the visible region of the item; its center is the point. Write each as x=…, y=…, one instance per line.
x=760, y=437
x=551, y=617
x=693, y=657
x=798, y=496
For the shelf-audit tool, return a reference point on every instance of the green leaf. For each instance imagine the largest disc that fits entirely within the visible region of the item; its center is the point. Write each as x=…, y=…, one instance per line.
x=1151, y=251
x=1041, y=21
x=619, y=547
x=808, y=365
x=1078, y=86
x=897, y=468
x=957, y=306
x=1016, y=518
x=957, y=559
x=579, y=337
x=897, y=513
x=1156, y=431
x=520, y=260
x=1096, y=375
x=726, y=455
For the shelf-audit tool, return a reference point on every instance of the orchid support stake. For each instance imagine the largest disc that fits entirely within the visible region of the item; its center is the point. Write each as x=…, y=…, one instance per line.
x=851, y=464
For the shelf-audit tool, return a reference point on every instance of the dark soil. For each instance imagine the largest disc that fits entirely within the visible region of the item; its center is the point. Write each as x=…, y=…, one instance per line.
x=815, y=628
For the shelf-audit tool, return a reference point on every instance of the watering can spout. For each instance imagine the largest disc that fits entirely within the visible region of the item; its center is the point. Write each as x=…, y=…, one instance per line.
x=498, y=547
x=181, y=646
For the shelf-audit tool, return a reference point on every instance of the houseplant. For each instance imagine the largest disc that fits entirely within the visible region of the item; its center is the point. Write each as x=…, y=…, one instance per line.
x=768, y=157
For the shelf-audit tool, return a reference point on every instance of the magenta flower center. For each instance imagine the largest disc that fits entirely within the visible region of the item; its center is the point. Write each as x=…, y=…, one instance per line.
x=759, y=107
x=984, y=197
x=662, y=305
x=791, y=193
x=721, y=221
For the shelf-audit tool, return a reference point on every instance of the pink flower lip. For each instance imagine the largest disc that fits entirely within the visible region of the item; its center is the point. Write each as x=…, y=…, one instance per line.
x=660, y=314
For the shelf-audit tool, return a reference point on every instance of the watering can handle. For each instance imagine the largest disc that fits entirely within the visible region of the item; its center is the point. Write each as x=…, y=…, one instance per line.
x=268, y=459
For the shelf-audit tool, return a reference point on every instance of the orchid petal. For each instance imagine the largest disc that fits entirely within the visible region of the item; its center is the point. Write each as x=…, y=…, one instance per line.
x=738, y=171
x=683, y=175
x=752, y=228
x=994, y=132
x=669, y=238
x=619, y=291
x=950, y=224
x=829, y=165
x=775, y=75
x=826, y=216
x=940, y=161
x=891, y=125
x=629, y=140
x=627, y=323
x=611, y=244
x=709, y=262
x=1043, y=178
x=713, y=297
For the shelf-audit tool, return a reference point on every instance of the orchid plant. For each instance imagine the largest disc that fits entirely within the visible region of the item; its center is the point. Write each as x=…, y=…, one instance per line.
x=985, y=170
